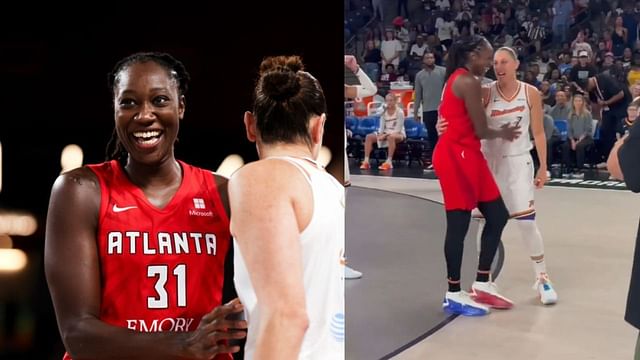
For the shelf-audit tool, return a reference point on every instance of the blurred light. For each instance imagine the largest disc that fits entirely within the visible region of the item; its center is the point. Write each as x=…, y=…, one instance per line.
x=6, y=242
x=17, y=224
x=0, y=166
x=71, y=157
x=325, y=156
x=12, y=260
x=229, y=165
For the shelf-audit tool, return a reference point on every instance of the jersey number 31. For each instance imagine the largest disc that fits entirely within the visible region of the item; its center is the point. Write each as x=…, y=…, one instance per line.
x=161, y=272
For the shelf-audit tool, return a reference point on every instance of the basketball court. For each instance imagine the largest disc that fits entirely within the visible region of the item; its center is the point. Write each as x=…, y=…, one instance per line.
x=395, y=235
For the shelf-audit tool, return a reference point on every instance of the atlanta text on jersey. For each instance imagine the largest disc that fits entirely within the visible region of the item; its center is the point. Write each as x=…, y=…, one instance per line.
x=137, y=242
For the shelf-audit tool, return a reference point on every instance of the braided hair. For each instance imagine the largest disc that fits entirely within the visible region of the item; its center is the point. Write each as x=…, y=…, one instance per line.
x=459, y=52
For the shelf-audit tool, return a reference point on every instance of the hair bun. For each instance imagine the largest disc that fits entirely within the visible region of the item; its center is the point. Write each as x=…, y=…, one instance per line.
x=280, y=77
x=280, y=85
x=281, y=63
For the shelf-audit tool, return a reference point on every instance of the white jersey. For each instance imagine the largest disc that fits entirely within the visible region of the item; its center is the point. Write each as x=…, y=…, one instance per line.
x=322, y=244
x=500, y=111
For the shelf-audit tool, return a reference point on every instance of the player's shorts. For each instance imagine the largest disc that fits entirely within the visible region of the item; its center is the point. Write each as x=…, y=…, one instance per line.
x=464, y=176
x=514, y=176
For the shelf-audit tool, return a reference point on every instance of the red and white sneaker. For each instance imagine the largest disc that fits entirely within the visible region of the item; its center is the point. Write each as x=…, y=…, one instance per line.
x=487, y=293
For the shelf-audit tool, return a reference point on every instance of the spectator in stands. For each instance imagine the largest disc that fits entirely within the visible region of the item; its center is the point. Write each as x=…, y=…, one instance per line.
x=619, y=37
x=580, y=44
x=401, y=28
x=574, y=62
x=562, y=10
x=635, y=90
x=447, y=29
x=543, y=63
x=390, y=133
x=614, y=99
x=608, y=40
x=530, y=78
x=553, y=76
x=633, y=76
x=608, y=62
x=597, y=10
x=483, y=28
x=565, y=64
x=465, y=14
x=536, y=33
x=584, y=69
x=443, y=5
x=497, y=20
x=521, y=13
x=561, y=109
x=548, y=95
x=535, y=69
x=579, y=135
x=600, y=53
x=414, y=31
x=465, y=24
x=554, y=140
x=391, y=49
x=627, y=57
x=504, y=39
x=386, y=79
x=522, y=39
x=428, y=91
x=632, y=115
x=436, y=47
x=418, y=49
x=372, y=59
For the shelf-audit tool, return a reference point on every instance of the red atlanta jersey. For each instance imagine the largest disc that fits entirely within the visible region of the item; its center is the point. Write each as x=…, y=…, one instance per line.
x=161, y=269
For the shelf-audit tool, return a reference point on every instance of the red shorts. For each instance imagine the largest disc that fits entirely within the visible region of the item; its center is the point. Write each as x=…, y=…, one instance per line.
x=464, y=176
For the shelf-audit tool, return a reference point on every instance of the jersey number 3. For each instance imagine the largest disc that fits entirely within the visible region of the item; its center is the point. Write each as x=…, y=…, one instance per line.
x=161, y=272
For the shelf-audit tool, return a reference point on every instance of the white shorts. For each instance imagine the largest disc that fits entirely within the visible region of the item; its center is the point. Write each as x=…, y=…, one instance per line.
x=515, y=178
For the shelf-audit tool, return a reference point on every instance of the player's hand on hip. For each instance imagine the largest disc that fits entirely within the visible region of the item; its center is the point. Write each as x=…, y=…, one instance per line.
x=215, y=330
x=441, y=125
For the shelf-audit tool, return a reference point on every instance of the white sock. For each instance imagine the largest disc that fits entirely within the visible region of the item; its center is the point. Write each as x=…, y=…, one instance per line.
x=366, y=159
x=533, y=240
x=389, y=160
x=539, y=267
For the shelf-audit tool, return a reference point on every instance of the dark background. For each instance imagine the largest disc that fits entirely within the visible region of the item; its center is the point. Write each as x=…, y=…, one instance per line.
x=53, y=92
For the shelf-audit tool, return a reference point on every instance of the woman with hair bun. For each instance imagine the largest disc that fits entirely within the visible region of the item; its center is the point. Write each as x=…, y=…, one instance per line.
x=288, y=222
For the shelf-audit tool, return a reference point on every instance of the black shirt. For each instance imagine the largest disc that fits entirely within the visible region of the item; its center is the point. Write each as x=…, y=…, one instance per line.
x=606, y=88
x=373, y=56
x=628, y=156
x=582, y=72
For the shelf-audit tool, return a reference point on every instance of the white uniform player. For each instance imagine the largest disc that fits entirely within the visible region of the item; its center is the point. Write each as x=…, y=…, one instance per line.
x=510, y=161
x=322, y=245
